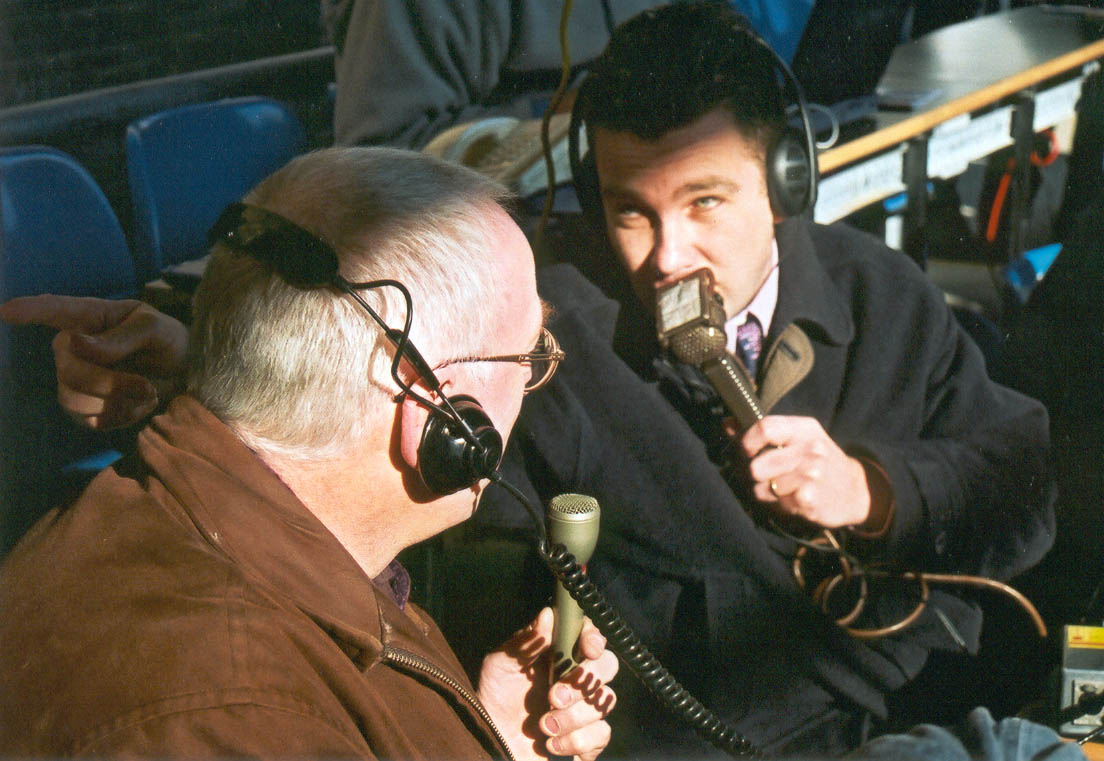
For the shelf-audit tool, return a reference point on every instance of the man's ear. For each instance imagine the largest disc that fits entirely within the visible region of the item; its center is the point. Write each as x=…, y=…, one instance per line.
x=413, y=421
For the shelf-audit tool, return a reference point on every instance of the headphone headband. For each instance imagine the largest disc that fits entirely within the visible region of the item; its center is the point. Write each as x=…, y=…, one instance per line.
x=791, y=165
x=301, y=258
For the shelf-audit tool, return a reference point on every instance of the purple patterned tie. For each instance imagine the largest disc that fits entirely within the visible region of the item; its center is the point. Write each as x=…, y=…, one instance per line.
x=749, y=342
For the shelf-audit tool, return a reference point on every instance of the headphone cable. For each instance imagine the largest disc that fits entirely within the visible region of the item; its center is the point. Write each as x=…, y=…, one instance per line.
x=405, y=349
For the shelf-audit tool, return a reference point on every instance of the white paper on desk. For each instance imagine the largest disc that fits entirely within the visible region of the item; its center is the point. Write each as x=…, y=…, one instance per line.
x=907, y=99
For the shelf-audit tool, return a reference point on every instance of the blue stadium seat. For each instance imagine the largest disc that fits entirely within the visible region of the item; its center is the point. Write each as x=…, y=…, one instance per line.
x=187, y=163
x=58, y=234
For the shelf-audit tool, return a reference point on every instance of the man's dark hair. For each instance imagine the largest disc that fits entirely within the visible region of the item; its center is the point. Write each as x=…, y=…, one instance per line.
x=666, y=67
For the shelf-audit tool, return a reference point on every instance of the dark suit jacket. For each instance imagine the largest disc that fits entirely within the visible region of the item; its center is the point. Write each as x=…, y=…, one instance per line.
x=682, y=554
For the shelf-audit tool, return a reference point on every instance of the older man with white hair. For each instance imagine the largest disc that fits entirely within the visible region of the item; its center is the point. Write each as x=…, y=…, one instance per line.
x=231, y=589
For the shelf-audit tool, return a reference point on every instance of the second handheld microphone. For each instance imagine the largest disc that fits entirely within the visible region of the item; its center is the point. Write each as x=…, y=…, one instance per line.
x=572, y=522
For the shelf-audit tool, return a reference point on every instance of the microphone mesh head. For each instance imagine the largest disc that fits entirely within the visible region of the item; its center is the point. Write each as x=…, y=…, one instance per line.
x=698, y=344
x=577, y=505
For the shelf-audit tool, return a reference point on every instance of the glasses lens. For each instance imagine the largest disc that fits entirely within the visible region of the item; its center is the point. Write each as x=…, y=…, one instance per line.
x=546, y=357
x=539, y=373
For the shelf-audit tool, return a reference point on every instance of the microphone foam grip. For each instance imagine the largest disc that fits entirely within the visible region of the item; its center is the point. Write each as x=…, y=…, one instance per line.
x=572, y=522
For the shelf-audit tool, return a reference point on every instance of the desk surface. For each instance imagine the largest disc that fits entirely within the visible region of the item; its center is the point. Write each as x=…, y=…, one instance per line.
x=975, y=64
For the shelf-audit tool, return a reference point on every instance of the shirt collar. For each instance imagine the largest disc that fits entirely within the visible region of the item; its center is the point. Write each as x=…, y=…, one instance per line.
x=394, y=581
x=761, y=306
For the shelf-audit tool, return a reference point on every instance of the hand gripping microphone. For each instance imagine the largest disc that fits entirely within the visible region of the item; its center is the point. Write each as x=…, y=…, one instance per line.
x=690, y=324
x=572, y=528
x=572, y=522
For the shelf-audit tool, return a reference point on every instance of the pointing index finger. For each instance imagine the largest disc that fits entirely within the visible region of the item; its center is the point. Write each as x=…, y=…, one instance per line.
x=83, y=314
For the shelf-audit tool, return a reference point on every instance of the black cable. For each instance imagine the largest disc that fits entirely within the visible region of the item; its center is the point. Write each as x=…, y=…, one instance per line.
x=405, y=349
x=1091, y=736
x=621, y=639
x=635, y=654
x=607, y=14
x=534, y=513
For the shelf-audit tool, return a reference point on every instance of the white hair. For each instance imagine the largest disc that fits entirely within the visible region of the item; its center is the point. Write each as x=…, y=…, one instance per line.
x=299, y=372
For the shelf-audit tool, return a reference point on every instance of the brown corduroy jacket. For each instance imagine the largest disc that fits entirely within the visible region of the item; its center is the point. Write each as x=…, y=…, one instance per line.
x=188, y=605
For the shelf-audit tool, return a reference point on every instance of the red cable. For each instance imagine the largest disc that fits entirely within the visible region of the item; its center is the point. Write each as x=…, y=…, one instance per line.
x=1006, y=180
x=998, y=202
x=1052, y=154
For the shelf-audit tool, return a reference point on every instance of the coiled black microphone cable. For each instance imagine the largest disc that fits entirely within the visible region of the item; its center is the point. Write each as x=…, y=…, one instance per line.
x=623, y=641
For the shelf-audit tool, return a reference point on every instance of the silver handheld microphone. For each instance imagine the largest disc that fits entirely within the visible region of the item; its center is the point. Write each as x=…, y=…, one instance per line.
x=690, y=325
x=572, y=522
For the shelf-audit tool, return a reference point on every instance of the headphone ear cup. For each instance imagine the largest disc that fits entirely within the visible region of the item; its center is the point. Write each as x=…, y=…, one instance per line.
x=447, y=460
x=584, y=172
x=788, y=170
x=588, y=192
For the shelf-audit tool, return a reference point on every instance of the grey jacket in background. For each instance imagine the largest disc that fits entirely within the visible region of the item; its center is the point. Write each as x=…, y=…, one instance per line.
x=409, y=69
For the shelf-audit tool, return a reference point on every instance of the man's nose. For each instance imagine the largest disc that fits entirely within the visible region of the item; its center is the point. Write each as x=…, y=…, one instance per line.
x=669, y=253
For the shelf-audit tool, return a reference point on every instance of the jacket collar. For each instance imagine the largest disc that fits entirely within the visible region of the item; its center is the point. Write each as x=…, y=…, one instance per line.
x=804, y=293
x=245, y=512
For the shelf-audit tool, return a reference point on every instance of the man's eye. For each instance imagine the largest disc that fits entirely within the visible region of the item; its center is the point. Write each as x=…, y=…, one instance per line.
x=628, y=216
x=707, y=202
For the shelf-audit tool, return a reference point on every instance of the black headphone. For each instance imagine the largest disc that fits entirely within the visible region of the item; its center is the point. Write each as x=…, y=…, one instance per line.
x=791, y=165
x=459, y=445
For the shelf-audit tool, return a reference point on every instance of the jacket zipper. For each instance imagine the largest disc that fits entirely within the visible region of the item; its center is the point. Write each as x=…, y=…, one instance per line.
x=403, y=658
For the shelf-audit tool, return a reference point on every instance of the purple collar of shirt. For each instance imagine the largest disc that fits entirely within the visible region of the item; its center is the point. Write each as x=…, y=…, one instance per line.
x=395, y=582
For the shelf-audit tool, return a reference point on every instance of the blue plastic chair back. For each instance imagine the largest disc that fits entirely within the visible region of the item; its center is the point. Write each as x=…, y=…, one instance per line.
x=58, y=234
x=187, y=163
